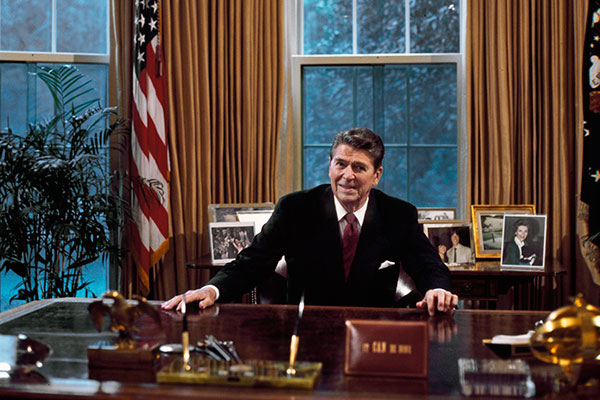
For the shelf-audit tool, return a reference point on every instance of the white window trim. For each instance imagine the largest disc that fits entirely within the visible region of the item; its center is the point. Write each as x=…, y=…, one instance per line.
x=42, y=57
x=55, y=57
x=454, y=58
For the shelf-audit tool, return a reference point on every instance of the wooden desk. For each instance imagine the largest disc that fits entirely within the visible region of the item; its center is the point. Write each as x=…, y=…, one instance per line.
x=261, y=332
x=486, y=284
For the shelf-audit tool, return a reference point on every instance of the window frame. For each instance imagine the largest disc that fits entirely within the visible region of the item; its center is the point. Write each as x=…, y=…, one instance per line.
x=37, y=57
x=298, y=61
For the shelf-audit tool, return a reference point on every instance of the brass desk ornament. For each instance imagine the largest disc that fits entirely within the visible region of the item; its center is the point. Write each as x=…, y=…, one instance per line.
x=570, y=337
x=125, y=359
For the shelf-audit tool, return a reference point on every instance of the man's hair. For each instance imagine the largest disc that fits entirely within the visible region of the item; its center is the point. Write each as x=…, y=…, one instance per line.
x=361, y=139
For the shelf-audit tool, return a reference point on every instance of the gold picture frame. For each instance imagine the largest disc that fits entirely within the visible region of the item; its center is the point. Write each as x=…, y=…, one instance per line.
x=488, y=226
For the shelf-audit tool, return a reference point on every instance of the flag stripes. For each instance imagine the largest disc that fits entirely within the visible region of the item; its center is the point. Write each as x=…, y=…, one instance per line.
x=149, y=147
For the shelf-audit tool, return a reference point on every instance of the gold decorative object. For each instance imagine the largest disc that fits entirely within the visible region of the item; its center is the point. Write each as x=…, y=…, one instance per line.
x=569, y=337
x=122, y=316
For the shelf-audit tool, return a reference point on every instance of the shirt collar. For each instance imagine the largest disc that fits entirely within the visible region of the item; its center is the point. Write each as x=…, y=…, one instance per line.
x=518, y=242
x=359, y=214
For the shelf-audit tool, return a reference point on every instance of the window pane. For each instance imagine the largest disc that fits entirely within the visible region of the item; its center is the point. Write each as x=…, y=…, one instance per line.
x=433, y=104
x=89, y=34
x=380, y=26
x=13, y=102
x=434, y=26
x=432, y=177
x=393, y=180
x=25, y=25
x=328, y=101
x=22, y=96
x=315, y=166
x=327, y=27
x=44, y=104
x=97, y=73
x=395, y=100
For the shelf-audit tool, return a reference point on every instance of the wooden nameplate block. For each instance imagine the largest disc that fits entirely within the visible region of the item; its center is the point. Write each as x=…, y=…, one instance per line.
x=387, y=348
x=107, y=362
x=250, y=373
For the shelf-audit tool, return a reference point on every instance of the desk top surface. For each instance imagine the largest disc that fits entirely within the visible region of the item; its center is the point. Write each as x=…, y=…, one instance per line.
x=259, y=332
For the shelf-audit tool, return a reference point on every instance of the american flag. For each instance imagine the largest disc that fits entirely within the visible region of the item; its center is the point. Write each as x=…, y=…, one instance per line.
x=149, y=146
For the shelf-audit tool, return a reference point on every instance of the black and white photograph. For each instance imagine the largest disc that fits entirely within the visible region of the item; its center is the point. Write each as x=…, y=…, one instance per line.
x=524, y=242
x=453, y=241
x=227, y=239
x=436, y=214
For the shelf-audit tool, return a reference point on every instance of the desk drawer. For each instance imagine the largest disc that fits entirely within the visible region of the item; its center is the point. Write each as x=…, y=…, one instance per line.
x=474, y=288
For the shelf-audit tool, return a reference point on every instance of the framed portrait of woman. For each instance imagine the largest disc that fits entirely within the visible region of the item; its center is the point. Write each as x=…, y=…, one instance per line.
x=524, y=241
x=488, y=223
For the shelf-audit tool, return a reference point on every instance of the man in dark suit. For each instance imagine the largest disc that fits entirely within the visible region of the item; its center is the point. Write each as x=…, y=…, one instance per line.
x=336, y=259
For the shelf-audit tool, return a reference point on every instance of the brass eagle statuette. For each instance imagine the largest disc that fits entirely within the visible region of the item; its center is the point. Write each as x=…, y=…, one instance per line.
x=122, y=316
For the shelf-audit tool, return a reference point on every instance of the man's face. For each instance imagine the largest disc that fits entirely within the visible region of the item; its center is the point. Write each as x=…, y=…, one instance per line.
x=352, y=176
x=455, y=239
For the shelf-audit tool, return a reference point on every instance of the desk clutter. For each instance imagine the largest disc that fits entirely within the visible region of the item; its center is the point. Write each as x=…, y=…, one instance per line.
x=259, y=373
x=64, y=332
x=216, y=362
x=566, y=347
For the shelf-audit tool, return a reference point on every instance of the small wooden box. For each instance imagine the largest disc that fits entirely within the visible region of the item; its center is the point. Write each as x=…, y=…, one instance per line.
x=140, y=364
x=387, y=348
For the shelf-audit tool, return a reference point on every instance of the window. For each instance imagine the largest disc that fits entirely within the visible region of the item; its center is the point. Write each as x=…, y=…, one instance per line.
x=394, y=67
x=36, y=33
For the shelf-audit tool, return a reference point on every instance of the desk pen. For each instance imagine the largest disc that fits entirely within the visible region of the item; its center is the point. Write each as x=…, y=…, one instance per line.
x=185, y=338
x=295, y=339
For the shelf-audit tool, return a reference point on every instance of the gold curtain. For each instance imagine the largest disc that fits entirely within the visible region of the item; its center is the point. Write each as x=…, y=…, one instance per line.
x=521, y=111
x=120, y=91
x=225, y=85
x=225, y=79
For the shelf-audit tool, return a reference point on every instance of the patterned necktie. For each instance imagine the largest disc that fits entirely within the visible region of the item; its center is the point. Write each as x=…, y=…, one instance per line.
x=349, y=242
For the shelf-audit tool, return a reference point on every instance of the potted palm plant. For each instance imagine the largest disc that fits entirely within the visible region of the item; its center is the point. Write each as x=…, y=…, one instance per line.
x=58, y=209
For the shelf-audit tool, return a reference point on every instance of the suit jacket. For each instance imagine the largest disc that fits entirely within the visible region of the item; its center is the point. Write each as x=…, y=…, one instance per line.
x=512, y=255
x=304, y=228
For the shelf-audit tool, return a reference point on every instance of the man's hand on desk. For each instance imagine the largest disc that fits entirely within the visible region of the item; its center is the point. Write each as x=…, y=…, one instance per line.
x=205, y=297
x=438, y=300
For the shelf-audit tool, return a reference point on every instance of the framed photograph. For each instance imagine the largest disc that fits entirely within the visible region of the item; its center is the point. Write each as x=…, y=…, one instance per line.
x=227, y=239
x=524, y=241
x=259, y=217
x=487, y=226
x=228, y=212
x=453, y=240
x=436, y=214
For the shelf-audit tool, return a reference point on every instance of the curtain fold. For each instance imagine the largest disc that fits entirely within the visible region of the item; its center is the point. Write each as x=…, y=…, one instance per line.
x=520, y=111
x=225, y=81
x=120, y=84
